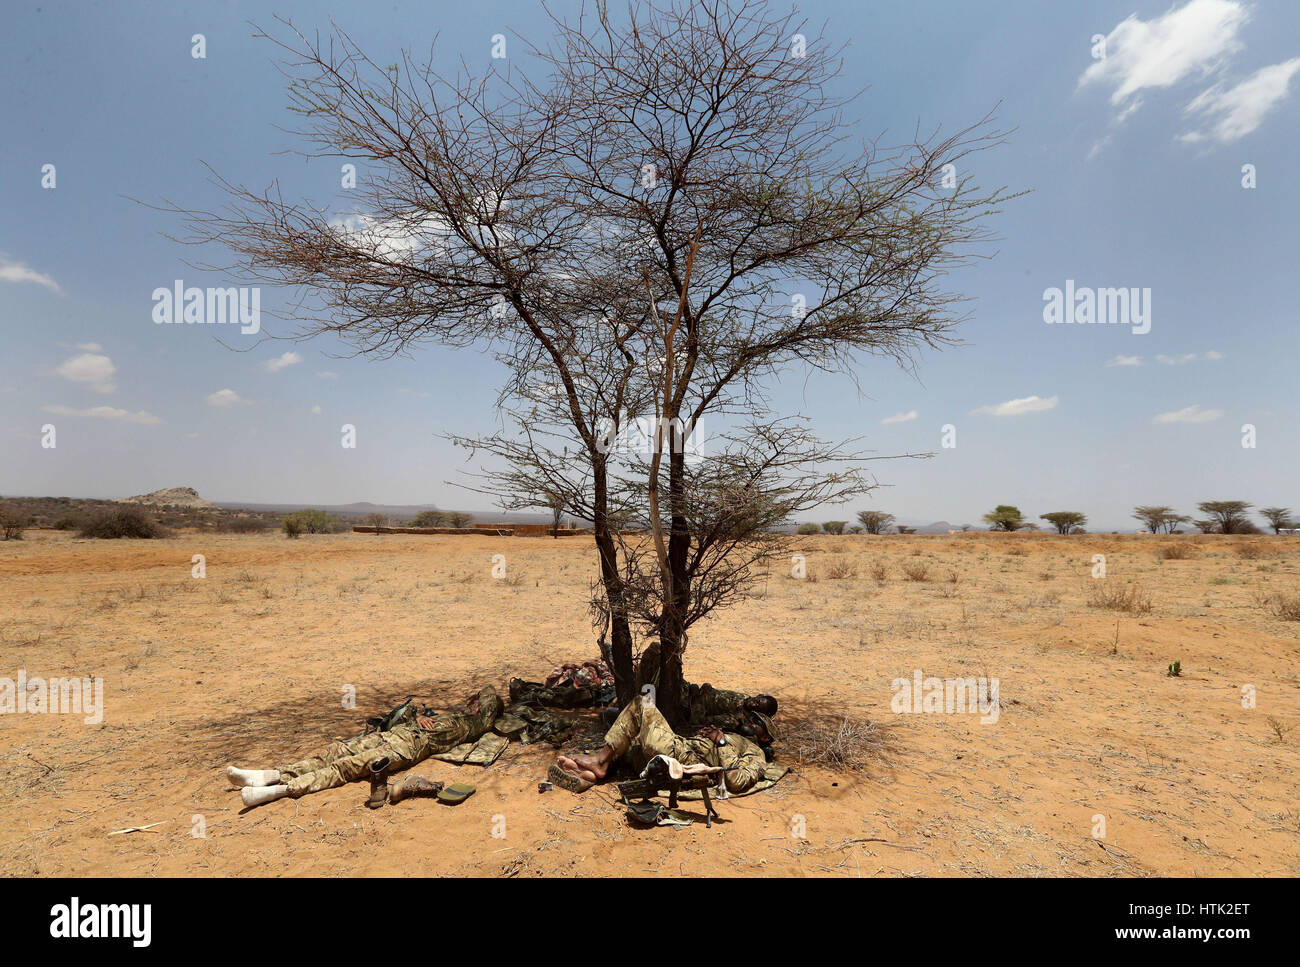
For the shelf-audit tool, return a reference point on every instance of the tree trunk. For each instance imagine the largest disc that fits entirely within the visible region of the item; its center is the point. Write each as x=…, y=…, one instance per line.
x=620, y=632
x=672, y=634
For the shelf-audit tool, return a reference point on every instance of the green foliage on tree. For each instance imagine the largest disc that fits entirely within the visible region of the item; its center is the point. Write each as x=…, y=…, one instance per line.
x=1228, y=516
x=875, y=521
x=1005, y=517
x=1065, y=521
x=1279, y=518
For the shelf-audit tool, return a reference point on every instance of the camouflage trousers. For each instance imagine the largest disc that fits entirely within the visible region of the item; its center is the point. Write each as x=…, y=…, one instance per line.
x=344, y=762
x=644, y=725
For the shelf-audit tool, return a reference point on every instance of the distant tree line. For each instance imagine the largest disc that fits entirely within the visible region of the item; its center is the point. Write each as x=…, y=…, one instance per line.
x=1218, y=517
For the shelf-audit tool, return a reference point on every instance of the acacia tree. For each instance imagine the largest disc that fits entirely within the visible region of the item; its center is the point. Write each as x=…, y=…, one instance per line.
x=1005, y=517
x=1227, y=516
x=556, y=222
x=1279, y=518
x=1155, y=517
x=875, y=521
x=1066, y=521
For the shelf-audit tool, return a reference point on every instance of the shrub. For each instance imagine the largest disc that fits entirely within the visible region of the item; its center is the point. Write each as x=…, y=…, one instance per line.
x=834, y=526
x=430, y=518
x=810, y=529
x=839, y=568
x=12, y=524
x=460, y=519
x=65, y=524
x=314, y=522
x=917, y=571
x=1175, y=552
x=293, y=526
x=129, y=522
x=1250, y=552
x=1120, y=597
x=879, y=572
x=1284, y=606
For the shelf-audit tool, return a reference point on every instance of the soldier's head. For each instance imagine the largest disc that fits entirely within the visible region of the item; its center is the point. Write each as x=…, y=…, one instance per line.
x=761, y=703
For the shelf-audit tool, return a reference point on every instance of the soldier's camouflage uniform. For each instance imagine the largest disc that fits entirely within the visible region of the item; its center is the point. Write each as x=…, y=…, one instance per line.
x=709, y=703
x=405, y=744
x=644, y=725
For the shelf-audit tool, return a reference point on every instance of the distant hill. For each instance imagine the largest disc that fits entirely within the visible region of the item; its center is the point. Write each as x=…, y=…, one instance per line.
x=940, y=527
x=364, y=508
x=171, y=497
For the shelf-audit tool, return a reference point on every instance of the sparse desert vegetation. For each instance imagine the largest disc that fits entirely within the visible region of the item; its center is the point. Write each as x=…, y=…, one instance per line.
x=247, y=664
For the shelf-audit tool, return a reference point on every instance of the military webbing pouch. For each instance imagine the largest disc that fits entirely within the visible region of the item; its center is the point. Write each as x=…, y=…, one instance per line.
x=404, y=714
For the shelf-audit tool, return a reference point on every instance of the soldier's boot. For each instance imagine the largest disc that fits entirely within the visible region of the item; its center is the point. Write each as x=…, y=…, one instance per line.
x=413, y=786
x=378, y=783
x=256, y=795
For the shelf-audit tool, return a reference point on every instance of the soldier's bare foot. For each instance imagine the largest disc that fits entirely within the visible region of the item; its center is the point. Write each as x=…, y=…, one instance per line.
x=589, y=767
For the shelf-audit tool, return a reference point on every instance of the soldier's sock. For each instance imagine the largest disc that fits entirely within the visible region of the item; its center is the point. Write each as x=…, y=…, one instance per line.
x=256, y=795
x=252, y=777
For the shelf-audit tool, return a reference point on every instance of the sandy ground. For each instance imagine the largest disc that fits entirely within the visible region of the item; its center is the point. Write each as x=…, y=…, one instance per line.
x=249, y=665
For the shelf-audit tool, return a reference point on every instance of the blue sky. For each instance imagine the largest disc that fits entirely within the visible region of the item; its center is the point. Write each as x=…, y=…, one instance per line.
x=1134, y=162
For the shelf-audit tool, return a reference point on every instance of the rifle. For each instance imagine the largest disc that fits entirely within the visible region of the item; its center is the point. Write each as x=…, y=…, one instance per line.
x=658, y=779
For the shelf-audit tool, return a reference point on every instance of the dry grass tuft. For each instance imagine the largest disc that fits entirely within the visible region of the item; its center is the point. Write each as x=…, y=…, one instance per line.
x=1282, y=605
x=1175, y=552
x=1120, y=597
x=849, y=745
x=917, y=571
x=839, y=568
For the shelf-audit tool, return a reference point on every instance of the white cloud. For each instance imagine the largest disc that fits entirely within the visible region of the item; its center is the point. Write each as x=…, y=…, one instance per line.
x=226, y=397
x=90, y=347
x=105, y=413
x=18, y=272
x=1188, y=414
x=901, y=417
x=1236, y=111
x=280, y=362
x=1211, y=356
x=1029, y=404
x=317, y=410
x=1186, y=41
x=1122, y=360
x=327, y=374
x=397, y=238
x=89, y=368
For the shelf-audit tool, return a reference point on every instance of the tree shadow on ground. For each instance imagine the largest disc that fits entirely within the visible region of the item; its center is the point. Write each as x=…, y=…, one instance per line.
x=295, y=727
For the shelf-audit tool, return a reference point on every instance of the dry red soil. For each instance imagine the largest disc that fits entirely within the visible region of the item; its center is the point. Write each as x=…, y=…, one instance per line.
x=249, y=665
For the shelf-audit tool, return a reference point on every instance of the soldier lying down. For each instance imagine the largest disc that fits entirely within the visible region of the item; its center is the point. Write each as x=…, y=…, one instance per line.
x=640, y=723
x=404, y=744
